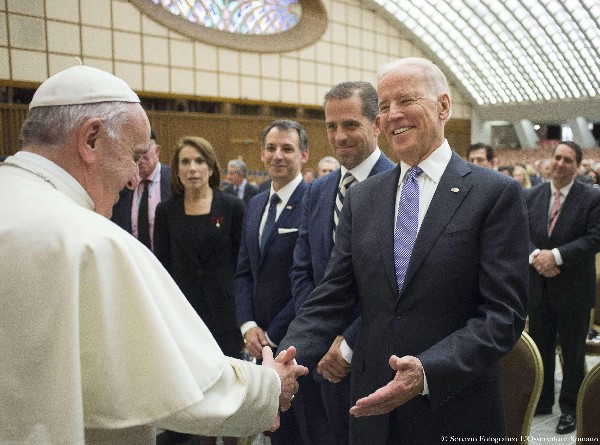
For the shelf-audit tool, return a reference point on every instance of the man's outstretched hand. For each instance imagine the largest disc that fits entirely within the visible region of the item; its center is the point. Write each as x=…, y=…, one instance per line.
x=408, y=382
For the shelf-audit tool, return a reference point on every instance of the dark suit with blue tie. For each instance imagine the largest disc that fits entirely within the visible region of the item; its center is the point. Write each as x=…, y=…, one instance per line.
x=263, y=294
x=461, y=307
x=311, y=256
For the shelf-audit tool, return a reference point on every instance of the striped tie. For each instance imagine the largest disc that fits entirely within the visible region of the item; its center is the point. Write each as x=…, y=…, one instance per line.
x=407, y=223
x=347, y=181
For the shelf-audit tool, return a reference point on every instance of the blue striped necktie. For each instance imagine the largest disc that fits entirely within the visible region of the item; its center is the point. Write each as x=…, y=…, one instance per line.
x=407, y=224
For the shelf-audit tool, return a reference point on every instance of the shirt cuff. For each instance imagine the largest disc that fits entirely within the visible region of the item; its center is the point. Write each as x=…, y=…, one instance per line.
x=346, y=351
x=271, y=344
x=425, y=385
x=557, y=257
x=532, y=255
x=247, y=326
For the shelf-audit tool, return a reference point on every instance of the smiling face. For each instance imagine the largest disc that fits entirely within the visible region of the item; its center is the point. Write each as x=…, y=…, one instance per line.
x=282, y=156
x=412, y=114
x=351, y=135
x=193, y=171
x=564, y=165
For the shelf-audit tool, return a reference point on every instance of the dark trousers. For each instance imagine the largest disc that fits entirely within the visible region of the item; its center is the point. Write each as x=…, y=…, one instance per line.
x=547, y=326
x=336, y=400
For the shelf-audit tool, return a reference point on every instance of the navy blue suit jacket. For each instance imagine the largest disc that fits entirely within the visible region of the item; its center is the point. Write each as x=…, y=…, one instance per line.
x=315, y=240
x=262, y=284
x=461, y=308
x=121, y=214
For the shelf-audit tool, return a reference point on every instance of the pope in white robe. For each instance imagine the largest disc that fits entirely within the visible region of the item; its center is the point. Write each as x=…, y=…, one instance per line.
x=98, y=344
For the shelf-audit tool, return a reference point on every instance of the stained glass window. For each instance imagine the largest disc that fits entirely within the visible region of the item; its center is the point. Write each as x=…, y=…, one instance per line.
x=250, y=17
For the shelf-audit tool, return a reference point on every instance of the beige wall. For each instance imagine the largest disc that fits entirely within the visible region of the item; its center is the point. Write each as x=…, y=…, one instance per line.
x=40, y=37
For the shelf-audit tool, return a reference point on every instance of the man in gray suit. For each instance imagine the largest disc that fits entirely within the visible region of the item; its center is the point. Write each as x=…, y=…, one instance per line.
x=438, y=270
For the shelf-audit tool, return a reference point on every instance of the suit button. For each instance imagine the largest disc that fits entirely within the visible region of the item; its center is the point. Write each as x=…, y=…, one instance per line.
x=200, y=273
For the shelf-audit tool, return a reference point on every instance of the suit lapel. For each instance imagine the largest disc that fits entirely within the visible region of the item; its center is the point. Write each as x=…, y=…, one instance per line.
x=290, y=206
x=446, y=200
x=328, y=195
x=254, y=226
x=383, y=200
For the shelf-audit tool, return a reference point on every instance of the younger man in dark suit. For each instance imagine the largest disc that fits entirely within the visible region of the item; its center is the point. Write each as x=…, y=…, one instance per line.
x=352, y=129
x=564, y=226
x=264, y=302
x=135, y=209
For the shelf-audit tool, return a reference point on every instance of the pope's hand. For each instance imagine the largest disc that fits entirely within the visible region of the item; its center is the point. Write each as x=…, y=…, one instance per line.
x=288, y=371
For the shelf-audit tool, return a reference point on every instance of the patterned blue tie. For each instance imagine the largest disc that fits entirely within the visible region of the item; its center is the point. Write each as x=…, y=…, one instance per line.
x=270, y=223
x=407, y=223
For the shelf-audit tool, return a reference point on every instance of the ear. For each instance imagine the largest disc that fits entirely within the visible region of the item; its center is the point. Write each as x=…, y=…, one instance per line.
x=88, y=140
x=304, y=157
x=444, y=106
x=377, y=125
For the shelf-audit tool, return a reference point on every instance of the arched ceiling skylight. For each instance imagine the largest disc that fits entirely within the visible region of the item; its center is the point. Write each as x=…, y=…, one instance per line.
x=238, y=16
x=507, y=52
x=246, y=25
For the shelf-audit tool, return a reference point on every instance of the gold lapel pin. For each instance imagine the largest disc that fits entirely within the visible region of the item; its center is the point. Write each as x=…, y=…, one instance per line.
x=455, y=189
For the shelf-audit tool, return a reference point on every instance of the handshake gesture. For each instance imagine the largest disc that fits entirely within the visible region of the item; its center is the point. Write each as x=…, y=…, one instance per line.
x=288, y=373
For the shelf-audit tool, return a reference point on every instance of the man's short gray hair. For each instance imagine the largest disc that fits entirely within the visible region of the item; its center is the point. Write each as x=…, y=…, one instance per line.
x=329, y=159
x=52, y=126
x=239, y=165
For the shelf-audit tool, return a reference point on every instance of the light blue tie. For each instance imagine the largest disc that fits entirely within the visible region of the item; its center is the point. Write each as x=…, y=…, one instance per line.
x=407, y=224
x=270, y=223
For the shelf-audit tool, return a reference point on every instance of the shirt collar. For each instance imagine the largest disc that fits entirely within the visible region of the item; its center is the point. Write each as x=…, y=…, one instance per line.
x=563, y=191
x=433, y=165
x=287, y=190
x=362, y=170
x=64, y=181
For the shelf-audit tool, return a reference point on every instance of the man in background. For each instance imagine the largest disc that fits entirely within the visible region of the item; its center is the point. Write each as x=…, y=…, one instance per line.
x=237, y=173
x=99, y=345
x=327, y=165
x=135, y=209
x=352, y=130
x=482, y=154
x=564, y=226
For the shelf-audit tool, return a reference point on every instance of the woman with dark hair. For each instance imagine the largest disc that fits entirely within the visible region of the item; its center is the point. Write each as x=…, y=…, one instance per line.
x=197, y=236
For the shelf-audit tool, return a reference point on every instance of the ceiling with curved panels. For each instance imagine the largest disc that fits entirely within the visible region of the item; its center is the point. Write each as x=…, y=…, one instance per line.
x=517, y=52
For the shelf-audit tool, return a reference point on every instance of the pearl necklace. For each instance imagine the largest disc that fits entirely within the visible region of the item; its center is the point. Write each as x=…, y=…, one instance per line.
x=38, y=174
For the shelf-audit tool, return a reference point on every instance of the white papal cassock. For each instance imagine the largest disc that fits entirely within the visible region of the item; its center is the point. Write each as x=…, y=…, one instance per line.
x=97, y=343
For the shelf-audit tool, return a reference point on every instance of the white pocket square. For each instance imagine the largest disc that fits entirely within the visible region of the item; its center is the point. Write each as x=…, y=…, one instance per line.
x=282, y=231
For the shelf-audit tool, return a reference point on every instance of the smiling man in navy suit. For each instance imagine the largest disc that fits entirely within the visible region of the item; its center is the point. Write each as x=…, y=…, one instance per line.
x=263, y=295
x=351, y=118
x=434, y=253
x=564, y=225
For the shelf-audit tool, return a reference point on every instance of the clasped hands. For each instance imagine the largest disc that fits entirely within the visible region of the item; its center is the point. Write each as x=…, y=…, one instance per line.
x=408, y=382
x=288, y=372
x=545, y=264
x=333, y=366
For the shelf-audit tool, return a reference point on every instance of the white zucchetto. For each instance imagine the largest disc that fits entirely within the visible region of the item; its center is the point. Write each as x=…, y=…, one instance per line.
x=82, y=85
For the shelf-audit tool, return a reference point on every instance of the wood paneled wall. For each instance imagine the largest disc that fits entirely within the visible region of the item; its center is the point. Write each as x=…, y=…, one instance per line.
x=231, y=135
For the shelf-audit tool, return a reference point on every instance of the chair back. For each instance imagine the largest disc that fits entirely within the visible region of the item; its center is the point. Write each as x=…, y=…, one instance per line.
x=522, y=376
x=588, y=405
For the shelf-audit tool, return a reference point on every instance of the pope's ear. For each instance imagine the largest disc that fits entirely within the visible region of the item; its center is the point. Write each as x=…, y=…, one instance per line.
x=88, y=138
